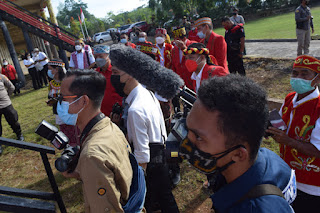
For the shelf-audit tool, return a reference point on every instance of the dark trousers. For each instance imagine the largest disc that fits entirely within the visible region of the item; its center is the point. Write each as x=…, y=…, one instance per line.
x=43, y=75
x=11, y=117
x=34, y=77
x=16, y=89
x=159, y=189
x=306, y=203
x=235, y=63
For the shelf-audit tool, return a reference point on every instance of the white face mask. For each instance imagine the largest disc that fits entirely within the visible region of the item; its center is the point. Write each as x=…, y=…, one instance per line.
x=5, y=63
x=123, y=41
x=160, y=40
x=142, y=39
x=78, y=47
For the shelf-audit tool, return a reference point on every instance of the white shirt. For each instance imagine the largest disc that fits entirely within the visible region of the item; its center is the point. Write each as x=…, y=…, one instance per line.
x=238, y=19
x=145, y=122
x=315, y=138
x=162, y=53
x=28, y=62
x=42, y=56
x=197, y=78
x=80, y=59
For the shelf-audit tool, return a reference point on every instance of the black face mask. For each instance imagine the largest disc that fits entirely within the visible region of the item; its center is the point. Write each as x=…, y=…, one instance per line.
x=234, y=14
x=118, y=86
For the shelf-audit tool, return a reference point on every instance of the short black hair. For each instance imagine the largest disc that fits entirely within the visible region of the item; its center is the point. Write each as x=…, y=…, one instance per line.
x=225, y=19
x=90, y=83
x=242, y=107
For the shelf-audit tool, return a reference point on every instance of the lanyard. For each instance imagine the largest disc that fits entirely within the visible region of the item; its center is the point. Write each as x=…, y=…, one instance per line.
x=90, y=125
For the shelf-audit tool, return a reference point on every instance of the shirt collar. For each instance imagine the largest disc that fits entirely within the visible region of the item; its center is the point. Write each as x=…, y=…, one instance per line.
x=194, y=76
x=133, y=94
x=313, y=95
x=162, y=45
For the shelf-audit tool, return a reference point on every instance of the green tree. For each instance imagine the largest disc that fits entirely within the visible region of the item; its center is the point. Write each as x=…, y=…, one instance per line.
x=75, y=27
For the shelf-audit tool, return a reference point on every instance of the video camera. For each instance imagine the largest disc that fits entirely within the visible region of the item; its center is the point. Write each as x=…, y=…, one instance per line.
x=179, y=129
x=69, y=156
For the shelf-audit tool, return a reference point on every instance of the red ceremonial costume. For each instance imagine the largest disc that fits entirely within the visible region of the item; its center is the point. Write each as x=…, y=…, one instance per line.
x=167, y=55
x=180, y=67
x=110, y=94
x=210, y=71
x=9, y=71
x=218, y=48
x=193, y=35
x=304, y=118
x=129, y=44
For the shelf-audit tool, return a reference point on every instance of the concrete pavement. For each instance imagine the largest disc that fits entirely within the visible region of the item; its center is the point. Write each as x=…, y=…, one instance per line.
x=279, y=49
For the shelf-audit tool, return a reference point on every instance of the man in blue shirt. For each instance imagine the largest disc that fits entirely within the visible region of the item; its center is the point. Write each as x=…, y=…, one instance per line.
x=225, y=128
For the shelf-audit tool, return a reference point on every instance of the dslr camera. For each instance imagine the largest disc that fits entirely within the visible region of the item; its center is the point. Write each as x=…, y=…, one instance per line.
x=69, y=157
x=179, y=129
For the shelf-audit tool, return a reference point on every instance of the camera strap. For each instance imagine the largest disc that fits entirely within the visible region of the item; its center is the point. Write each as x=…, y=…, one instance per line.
x=90, y=125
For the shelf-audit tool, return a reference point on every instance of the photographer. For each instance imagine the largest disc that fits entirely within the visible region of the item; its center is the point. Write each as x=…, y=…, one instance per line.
x=104, y=166
x=225, y=129
x=300, y=144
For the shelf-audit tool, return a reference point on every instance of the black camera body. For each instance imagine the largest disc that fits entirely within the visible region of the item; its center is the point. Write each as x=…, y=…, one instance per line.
x=69, y=157
x=117, y=109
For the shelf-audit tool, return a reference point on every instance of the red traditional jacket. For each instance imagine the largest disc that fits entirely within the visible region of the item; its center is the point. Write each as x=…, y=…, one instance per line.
x=193, y=35
x=218, y=48
x=9, y=71
x=167, y=55
x=129, y=44
x=210, y=71
x=110, y=94
x=304, y=118
x=180, y=68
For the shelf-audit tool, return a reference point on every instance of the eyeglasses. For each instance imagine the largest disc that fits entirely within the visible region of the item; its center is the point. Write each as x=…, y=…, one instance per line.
x=60, y=98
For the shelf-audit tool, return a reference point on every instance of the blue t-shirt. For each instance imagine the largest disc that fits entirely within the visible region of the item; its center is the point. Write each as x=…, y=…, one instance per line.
x=268, y=168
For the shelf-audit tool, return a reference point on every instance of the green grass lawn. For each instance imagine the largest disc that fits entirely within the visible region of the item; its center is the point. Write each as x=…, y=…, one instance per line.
x=276, y=27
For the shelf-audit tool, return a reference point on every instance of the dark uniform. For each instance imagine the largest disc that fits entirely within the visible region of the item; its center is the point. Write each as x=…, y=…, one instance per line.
x=232, y=37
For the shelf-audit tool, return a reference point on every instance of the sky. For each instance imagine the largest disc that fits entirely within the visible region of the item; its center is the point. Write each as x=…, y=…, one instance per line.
x=100, y=8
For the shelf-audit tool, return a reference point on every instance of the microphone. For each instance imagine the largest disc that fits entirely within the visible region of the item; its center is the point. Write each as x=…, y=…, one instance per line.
x=146, y=70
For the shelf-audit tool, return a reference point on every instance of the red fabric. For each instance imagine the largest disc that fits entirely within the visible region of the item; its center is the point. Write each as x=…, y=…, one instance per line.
x=167, y=55
x=9, y=71
x=233, y=30
x=110, y=94
x=193, y=35
x=307, y=62
x=180, y=68
x=129, y=44
x=303, y=122
x=218, y=48
x=210, y=71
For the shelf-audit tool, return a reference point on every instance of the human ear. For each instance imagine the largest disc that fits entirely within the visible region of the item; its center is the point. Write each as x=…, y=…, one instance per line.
x=240, y=154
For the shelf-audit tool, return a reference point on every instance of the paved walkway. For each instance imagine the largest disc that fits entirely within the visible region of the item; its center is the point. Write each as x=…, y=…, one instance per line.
x=279, y=49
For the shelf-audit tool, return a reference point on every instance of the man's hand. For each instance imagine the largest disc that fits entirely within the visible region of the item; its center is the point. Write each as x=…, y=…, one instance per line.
x=71, y=175
x=115, y=118
x=180, y=44
x=279, y=135
x=312, y=30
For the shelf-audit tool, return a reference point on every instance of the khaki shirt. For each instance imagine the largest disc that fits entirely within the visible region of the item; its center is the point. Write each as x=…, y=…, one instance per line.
x=105, y=168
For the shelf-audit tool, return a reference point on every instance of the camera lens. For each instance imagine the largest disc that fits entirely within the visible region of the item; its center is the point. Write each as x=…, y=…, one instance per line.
x=62, y=163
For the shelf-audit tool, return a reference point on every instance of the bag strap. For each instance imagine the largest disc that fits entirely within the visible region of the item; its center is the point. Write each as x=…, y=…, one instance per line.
x=261, y=190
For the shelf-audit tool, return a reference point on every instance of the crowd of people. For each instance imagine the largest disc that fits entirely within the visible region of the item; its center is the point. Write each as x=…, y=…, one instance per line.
x=110, y=97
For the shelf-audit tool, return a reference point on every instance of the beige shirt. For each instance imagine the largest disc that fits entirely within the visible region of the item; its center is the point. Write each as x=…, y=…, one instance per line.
x=105, y=168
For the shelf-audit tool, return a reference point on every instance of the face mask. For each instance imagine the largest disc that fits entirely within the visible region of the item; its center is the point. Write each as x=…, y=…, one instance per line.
x=201, y=35
x=160, y=40
x=123, y=41
x=301, y=85
x=202, y=161
x=118, y=86
x=78, y=47
x=50, y=74
x=192, y=65
x=65, y=116
x=28, y=57
x=234, y=14
x=5, y=63
x=193, y=28
x=101, y=62
x=142, y=39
